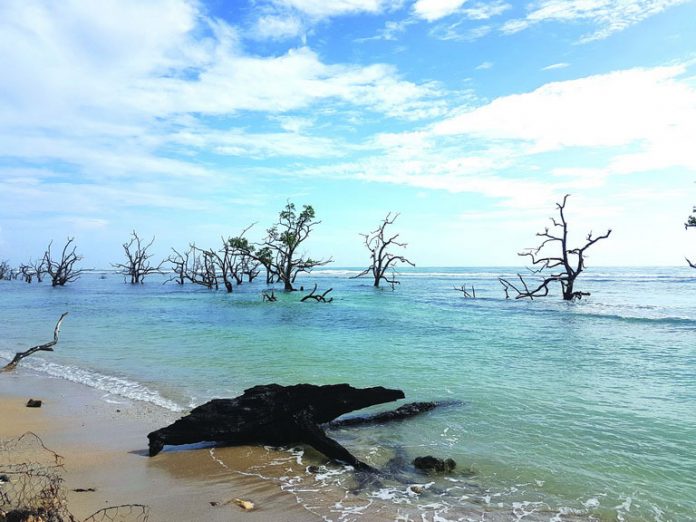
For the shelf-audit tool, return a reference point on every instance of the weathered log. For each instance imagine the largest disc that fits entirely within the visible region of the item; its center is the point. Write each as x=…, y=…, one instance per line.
x=275, y=415
x=46, y=347
x=403, y=412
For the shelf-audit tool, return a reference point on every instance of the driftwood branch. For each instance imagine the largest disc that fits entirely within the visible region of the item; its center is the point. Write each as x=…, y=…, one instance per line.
x=275, y=415
x=467, y=294
x=319, y=298
x=269, y=296
x=403, y=412
x=46, y=347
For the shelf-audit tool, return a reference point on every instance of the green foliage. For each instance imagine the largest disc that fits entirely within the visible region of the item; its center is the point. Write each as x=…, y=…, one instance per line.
x=264, y=255
x=295, y=227
x=240, y=243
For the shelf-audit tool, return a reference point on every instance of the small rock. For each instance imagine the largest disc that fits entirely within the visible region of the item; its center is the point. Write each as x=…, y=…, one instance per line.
x=312, y=469
x=84, y=490
x=4, y=478
x=416, y=489
x=432, y=464
x=213, y=503
x=246, y=505
x=33, y=403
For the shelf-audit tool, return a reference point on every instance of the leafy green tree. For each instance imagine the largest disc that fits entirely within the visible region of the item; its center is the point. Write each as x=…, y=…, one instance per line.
x=279, y=252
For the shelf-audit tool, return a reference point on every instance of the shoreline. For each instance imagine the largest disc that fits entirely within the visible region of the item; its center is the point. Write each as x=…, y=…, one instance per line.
x=103, y=440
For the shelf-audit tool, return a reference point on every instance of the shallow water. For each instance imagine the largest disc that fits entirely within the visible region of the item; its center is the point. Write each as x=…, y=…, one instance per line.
x=583, y=409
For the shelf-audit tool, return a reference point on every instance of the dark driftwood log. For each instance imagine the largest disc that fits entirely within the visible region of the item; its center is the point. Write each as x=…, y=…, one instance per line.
x=275, y=415
x=403, y=412
x=46, y=347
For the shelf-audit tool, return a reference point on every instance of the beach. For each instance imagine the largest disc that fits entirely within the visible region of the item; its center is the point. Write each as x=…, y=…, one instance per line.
x=104, y=446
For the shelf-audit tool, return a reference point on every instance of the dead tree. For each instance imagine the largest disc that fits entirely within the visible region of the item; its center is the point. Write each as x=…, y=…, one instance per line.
x=39, y=268
x=224, y=260
x=5, y=271
x=467, y=294
x=26, y=272
x=279, y=251
x=690, y=222
x=195, y=265
x=137, y=264
x=241, y=257
x=570, y=262
x=381, y=259
x=180, y=266
x=319, y=298
x=46, y=347
x=204, y=270
x=62, y=270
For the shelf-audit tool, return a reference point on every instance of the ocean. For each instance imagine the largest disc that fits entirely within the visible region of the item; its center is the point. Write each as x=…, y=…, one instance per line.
x=583, y=410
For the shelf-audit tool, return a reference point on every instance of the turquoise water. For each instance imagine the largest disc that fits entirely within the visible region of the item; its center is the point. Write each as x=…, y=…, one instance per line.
x=583, y=409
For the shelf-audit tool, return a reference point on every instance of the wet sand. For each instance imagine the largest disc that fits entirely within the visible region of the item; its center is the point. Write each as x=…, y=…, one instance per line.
x=104, y=445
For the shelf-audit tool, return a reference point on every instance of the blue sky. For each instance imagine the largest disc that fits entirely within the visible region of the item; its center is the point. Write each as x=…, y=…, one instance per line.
x=190, y=120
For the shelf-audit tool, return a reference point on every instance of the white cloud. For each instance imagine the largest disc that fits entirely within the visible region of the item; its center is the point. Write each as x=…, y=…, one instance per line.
x=102, y=88
x=52, y=71
x=329, y=8
x=277, y=84
x=237, y=142
x=609, y=16
x=431, y=10
x=560, y=65
x=484, y=11
x=514, y=148
x=484, y=65
x=455, y=32
x=392, y=28
x=609, y=110
x=276, y=27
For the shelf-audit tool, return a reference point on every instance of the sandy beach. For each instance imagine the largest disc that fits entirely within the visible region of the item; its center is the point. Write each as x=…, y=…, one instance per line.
x=103, y=441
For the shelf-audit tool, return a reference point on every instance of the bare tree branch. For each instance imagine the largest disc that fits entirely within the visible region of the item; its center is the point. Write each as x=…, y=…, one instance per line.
x=467, y=294
x=319, y=298
x=46, y=347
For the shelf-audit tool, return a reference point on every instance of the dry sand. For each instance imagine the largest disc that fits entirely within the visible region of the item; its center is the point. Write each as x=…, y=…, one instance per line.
x=104, y=446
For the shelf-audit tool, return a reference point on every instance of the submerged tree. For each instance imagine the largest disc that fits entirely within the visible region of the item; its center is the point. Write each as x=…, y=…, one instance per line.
x=691, y=222
x=279, y=251
x=381, y=259
x=26, y=272
x=180, y=265
x=570, y=262
x=137, y=264
x=62, y=270
x=5, y=270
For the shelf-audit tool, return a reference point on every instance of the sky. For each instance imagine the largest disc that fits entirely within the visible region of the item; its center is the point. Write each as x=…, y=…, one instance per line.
x=190, y=120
